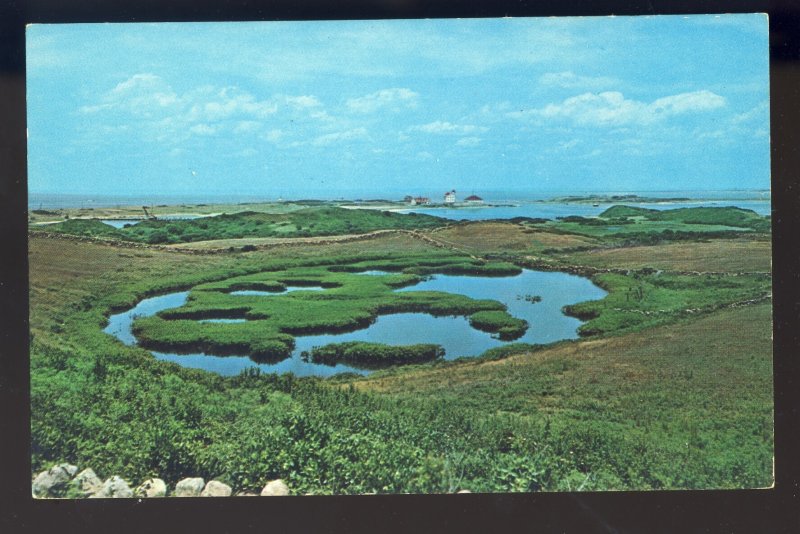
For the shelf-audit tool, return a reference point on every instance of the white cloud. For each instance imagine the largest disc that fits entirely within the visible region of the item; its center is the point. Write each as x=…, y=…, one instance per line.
x=246, y=126
x=226, y=103
x=570, y=80
x=468, y=141
x=336, y=137
x=444, y=127
x=395, y=98
x=302, y=101
x=613, y=109
x=274, y=136
x=157, y=112
x=758, y=113
x=202, y=129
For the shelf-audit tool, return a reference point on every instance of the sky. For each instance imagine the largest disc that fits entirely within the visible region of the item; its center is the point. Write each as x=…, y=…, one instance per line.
x=394, y=107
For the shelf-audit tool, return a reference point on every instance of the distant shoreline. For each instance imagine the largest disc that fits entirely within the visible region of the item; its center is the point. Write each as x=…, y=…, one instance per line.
x=54, y=201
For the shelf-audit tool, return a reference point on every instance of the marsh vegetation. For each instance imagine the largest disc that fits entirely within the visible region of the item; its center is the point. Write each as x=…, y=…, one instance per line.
x=670, y=386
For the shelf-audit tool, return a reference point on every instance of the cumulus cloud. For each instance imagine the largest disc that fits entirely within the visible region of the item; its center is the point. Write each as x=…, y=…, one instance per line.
x=202, y=129
x=336, y=137
x=468, y=141
x=162, y=114
x=570, y=80
x=227, y=103
x=302, y=102
x=142, y=94
x=246, y=126
x=613, y=109
x=395, y=98
x=444, y=127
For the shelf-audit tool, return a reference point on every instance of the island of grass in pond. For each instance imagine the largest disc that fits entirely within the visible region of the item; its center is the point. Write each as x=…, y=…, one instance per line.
x=365, y=355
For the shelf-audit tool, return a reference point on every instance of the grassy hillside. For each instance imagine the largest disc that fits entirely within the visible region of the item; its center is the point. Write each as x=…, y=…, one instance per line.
x=683, y=405
x=725, y=216
x=631, y=225
x=306, y=222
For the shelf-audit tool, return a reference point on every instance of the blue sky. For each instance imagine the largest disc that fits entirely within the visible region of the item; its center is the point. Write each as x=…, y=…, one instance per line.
x=381, y=108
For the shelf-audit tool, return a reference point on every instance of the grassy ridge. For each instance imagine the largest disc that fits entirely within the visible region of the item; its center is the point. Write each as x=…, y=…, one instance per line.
x=649, y=225
x=727, y=216
x=306, y=222
x=645, y=300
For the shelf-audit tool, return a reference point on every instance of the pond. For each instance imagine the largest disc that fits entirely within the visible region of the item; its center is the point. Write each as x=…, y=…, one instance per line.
x=546, y=321
x=120, y=223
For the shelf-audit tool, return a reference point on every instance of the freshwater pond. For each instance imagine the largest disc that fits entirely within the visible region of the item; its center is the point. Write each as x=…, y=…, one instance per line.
x=546, y=322
x=120, y=223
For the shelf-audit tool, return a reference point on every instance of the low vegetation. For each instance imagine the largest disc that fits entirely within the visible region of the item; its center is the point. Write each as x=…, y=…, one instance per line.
x=506, y=327
x=627, y=225
x=644, y=300
x=671, y=387
x=305, y=222
x=373, y=355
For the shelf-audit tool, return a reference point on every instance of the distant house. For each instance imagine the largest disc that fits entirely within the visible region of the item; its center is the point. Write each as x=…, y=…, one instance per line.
x=450, y=197
x=474, y=199
x=421, y=200
x=408, y=199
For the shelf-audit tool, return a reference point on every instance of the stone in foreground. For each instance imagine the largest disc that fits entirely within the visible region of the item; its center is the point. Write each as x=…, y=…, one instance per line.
x=153, y=487
x=275, y=488
x=86, y=482
x=189, y=487
x=216, y=488
x=51, y=482
x=113, y=488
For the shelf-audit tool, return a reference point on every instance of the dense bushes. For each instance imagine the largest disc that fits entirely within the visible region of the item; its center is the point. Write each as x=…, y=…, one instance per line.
x=373, y=355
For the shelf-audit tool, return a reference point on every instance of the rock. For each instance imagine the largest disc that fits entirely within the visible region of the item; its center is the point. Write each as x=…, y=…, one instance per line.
x=275, y=488
x=189, y=487
x=152, y=487
x=464, y=491
x=86, y=483
x=216, y=489
x=51, y=483
x=113, y=488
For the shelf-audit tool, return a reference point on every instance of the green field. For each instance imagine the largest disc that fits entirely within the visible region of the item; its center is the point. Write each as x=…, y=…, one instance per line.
x=305, y=222
x=670, y=387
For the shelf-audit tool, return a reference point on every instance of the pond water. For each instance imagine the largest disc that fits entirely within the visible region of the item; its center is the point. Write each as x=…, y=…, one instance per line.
x=546, y=322
x=551, y=210
x=120, y=223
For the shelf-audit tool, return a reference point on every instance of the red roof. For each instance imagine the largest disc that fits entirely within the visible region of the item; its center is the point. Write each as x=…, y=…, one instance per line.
x=473, y=197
